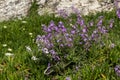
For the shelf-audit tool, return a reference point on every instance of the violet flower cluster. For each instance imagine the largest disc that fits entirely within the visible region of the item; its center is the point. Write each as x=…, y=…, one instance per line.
x=89, y=37
x=60, y=37
x=56, y=36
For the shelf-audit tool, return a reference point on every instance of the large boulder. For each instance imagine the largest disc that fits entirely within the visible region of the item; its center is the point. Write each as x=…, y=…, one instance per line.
x=18, y=8
x=84, y=6
x=13, y=8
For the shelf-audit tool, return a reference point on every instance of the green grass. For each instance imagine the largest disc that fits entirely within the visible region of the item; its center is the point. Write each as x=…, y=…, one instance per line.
x=20, y=66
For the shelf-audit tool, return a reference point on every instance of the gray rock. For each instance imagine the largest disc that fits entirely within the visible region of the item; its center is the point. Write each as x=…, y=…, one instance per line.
x=13, y=8
x=18, y=8
x=84, y=6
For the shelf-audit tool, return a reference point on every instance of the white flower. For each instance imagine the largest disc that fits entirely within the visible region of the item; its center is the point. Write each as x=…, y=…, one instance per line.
x=112, y=45
x=9, y=54
x=30, y=34
x=45, y=50
x=28, y=48
x=34, y=58
x=4, y=45
x=23, y=29
x=5, y=27
x=24, y=21
x=39, y=39
x=9, y=49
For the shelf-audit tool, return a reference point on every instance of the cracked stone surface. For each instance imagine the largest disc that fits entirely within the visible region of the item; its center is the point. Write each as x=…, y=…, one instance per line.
x=18, y=8
x=84, y=6
x=13, y=8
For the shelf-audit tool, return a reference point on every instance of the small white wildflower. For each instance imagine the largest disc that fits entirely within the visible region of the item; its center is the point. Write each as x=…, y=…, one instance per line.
x=4, y=45
x=28, y=48
x=34, y=58
x=9, y=49
x=45, y=50
x=71, y=25
x=23, y=29
x=112, y=45
x=9, y=54
x=24, y=21
x=5, y=27
x=39, y=39
x=30, y=34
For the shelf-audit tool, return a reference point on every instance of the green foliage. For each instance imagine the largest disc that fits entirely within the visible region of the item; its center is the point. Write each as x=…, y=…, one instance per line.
x=33, y=9
x=97, y=64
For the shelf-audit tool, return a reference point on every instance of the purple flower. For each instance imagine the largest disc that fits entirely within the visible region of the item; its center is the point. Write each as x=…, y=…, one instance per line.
x=102, y=29
x=100, y=21
x=67, y=35
x=80, y=21
x=69, y=39
x=49, y=64
x=52, y=52
x=57, y=58
x=84, y=30
x=39, y=39
x=63, y=13
x=61, y=45
x=54, y=55
x=49, y=36
x=64, y=29
x=85, y=39
x=56, y=29
x=45, y=50
x=118, y=13
x=91, y=24
x=81, y=43
x=60, y=24
x=51, y=26
x=93, y=36
x=111, y=23
x=68, y=78
x=59, y=40
x=117, y=70
x=73, y=32
x=69, y=44
x=49, y=45
x=84, y=35
x=44, y=28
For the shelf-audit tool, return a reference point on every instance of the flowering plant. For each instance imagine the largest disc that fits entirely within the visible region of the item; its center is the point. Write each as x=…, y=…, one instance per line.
x=59, y=42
